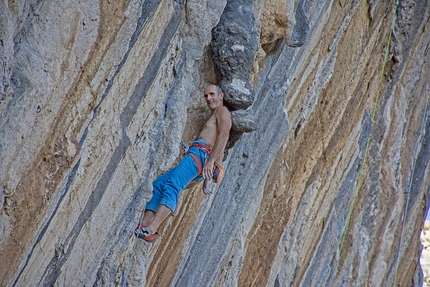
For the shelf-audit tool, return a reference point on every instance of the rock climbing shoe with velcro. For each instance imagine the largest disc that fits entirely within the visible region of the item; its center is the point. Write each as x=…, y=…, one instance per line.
x=142, y=233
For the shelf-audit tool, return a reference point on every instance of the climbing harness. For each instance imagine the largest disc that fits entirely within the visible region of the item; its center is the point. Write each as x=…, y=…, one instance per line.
x=218, y=170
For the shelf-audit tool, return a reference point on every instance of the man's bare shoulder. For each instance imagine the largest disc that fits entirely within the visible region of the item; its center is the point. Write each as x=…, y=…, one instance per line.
x=223, y=118
x=223, y=112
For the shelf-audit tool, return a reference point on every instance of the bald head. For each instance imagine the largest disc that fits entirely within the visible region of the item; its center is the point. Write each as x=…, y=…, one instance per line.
x=213, y=96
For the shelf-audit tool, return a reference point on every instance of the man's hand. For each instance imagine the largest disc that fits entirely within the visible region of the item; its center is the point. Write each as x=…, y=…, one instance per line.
x=207, y=187
x=207, y=172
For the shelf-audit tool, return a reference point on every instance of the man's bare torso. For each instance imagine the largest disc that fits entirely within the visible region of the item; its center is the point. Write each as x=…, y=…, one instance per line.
x=209, y=132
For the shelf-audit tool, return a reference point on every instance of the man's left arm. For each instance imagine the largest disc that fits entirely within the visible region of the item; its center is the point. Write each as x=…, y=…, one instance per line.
x=223, y=118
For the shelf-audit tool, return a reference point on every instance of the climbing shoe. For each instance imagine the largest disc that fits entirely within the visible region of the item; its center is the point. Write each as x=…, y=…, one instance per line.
x=142, y=233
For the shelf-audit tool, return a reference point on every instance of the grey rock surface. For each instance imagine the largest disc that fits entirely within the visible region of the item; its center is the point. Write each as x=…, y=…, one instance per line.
x=327, y=171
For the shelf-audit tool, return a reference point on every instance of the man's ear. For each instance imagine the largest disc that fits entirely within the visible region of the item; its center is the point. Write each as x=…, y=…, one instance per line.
x=221, y=95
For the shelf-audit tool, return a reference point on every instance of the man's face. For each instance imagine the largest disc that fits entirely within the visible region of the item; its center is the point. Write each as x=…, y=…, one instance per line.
x=212, y=98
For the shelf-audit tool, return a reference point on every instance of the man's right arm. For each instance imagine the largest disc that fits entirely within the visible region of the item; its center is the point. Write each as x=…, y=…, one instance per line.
x=223, y=118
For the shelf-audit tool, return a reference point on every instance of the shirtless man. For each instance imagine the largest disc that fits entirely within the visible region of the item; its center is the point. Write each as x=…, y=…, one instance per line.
x=208, y=148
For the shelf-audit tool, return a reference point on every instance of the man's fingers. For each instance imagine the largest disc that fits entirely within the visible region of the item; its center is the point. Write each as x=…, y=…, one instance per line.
x=207, y=171
x=208, y=174
x=207, y=187
x=207, y=191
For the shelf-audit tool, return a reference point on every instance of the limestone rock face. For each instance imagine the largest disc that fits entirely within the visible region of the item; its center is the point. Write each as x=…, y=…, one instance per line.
x=327, y=172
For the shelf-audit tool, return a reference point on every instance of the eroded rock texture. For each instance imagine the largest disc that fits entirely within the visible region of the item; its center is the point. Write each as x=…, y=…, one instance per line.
x=319, y=189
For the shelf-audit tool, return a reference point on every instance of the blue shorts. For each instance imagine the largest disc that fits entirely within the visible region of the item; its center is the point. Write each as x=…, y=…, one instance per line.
x=167, y=187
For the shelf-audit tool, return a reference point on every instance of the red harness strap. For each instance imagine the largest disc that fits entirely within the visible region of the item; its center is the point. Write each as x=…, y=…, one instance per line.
x=199, y=164
x=206, y=148
x=218, y=170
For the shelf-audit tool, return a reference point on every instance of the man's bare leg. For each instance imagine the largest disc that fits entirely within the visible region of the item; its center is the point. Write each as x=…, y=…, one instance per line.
x=148, y=216
x=161, y=214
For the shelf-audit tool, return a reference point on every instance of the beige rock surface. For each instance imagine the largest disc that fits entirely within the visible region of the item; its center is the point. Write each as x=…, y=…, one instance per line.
x=95, y=97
